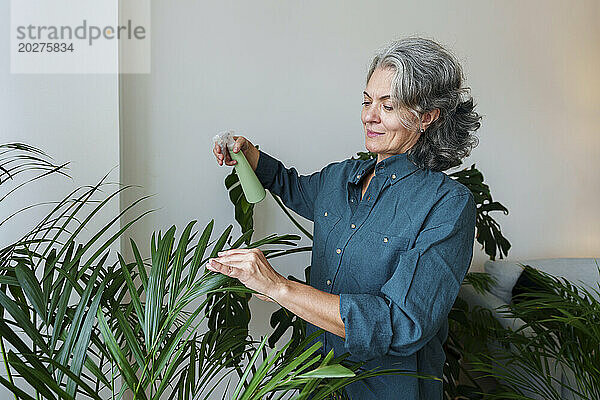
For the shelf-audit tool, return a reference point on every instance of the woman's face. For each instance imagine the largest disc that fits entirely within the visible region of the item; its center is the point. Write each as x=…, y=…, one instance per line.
x=384, y=133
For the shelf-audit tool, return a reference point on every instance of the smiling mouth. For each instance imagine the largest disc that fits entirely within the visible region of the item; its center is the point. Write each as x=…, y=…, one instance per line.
x=371, y=133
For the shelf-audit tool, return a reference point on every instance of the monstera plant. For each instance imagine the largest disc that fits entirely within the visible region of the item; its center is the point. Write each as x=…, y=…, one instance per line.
x=488, y=234
x=79, y=321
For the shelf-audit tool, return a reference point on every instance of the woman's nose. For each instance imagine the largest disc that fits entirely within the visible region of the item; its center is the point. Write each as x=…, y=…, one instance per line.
x=371, y=115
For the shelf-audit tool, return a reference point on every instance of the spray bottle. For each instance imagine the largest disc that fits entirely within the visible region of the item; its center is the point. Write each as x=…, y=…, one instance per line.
x=251, y=186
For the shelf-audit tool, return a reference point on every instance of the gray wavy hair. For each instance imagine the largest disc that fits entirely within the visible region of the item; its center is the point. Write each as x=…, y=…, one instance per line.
x=427, y=77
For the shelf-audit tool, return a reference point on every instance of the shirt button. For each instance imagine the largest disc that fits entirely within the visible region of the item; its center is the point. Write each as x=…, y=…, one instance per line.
x=385, y=240
x=353, y=226
x=338, y=251
x=352, y=200
x=325, y=213
x=328, y=282
x=393, y=176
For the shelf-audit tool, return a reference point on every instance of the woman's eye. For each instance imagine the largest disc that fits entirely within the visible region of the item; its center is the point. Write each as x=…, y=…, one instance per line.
x=366, y=103
x=388, y=108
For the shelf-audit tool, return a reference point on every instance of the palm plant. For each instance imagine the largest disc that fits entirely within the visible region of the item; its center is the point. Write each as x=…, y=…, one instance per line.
x=74, y=324
x=561, y=335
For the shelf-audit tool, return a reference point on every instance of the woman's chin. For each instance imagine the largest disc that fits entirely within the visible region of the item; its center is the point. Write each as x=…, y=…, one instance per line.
x=374, y=151
x=370, y=147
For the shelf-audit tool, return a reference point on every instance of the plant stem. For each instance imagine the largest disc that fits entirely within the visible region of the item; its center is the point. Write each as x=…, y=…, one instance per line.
x=291, y=217
x=10, y=378
x=112, y=378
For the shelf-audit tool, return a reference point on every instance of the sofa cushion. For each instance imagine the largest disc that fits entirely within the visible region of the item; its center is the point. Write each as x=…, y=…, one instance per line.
x=528, y=287
x=506, y=274
x=579, y=271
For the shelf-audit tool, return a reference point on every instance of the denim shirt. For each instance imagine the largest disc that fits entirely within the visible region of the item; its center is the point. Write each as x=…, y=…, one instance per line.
x=396, y=258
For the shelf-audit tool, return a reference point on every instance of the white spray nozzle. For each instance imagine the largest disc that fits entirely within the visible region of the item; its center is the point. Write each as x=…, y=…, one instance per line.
x=225, y=139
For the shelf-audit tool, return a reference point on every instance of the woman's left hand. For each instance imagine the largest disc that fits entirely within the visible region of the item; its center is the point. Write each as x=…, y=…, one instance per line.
x=251, y=268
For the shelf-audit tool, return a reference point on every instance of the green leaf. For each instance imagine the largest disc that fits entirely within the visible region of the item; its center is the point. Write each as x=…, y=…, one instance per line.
x=122, y=363
x=22, y=321
x=81, y=346
x=156, y=288
x=59, y=319
x=65, y=352
x=178, y=265
x=133, y=293
x=287, y=369
x=190, y=377
x=14, y=389
x=132, y=341
x=47, y=277
x=40, y=380
x=32, y=290
x=89, y=391
x=328, y=371
x=7, y=333
x=239, y=386
x=140, y=264
x=199, y=252
x=8, y=280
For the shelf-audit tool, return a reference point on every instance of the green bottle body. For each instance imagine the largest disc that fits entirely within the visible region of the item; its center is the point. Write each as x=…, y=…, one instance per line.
x=253, y=189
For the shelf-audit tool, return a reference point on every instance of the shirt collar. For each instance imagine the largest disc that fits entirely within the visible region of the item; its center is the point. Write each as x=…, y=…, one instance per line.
x=394, y=167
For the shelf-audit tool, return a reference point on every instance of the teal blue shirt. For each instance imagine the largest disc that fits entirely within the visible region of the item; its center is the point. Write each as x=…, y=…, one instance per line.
x=396, y=258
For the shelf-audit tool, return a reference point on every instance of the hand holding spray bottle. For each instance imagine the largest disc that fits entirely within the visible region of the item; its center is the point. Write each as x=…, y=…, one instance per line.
x=251, y=186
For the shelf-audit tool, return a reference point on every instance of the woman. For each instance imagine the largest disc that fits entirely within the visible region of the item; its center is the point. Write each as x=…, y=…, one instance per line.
x=393, y=237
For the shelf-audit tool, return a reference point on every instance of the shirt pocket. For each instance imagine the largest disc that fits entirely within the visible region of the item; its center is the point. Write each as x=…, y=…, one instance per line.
x=325, y=222
x=387, y=243
x=374, y=258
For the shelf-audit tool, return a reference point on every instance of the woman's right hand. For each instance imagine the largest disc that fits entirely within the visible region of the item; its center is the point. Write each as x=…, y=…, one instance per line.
x=241, y=143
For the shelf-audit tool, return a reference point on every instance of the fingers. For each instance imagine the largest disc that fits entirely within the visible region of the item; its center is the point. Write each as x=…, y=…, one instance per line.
x=239, y=256
x=239, y=143
x=223, y=156
x=242, y=144
x=218, y=154
x=236, y=251
x=215, y=266
x=249, y=267
x=242, y=260
x=237, y=260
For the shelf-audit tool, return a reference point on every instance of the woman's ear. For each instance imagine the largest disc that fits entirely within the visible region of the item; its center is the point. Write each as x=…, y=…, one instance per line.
x=429, y=118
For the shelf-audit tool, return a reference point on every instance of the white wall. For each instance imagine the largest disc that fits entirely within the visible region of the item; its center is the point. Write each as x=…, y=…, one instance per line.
x=73, y=118
x=289, y=76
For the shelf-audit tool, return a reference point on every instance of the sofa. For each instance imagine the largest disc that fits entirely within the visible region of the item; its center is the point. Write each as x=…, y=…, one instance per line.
x=579, y=271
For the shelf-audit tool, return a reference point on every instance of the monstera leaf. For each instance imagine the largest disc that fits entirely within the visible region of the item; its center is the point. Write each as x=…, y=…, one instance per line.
x=488, y=234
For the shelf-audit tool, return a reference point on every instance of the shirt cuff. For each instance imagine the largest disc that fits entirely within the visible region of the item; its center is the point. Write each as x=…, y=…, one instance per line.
x=266, y=169
x=367, y=325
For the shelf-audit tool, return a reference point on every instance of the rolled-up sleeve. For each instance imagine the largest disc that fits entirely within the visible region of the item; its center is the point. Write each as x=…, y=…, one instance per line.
x=297, y=192
x=414, y=303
